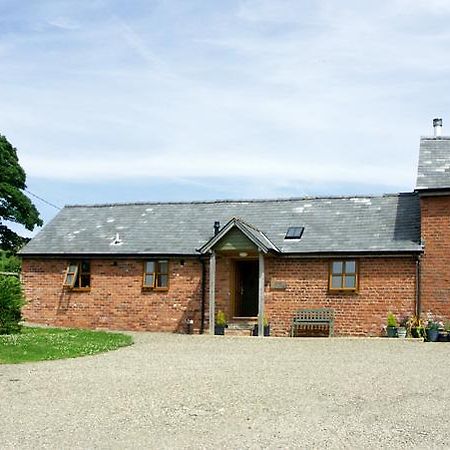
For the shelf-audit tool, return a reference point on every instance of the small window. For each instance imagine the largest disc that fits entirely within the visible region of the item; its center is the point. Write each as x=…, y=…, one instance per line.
x=78, y=275
x=156, y=274
x=294, y=232
x=343, y=275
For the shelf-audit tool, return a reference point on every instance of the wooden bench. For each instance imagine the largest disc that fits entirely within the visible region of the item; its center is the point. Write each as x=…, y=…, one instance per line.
x=321, y=316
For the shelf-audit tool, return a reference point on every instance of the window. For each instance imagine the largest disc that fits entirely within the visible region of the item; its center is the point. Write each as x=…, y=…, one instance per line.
x=78, y=275
x=294, y=232
x=156, y=274
x=343, y=276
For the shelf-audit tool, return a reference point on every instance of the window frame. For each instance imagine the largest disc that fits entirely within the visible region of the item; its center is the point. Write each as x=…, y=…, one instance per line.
x=77, y=274
x=291, y=235
x=343, y=274
x=156, y=272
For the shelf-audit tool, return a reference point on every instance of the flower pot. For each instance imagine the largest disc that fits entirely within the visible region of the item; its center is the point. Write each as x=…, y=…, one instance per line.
x=417, y=332
x=219, y=330
x=443, y=336
x=266, y=330
x=401, y=332
x=391, y=332
x=432, y=335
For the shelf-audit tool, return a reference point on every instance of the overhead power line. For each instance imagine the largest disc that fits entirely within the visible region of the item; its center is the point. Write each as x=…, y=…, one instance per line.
x=43, y=200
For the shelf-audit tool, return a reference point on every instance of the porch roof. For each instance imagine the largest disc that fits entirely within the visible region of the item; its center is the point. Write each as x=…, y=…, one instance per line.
x=257, y=237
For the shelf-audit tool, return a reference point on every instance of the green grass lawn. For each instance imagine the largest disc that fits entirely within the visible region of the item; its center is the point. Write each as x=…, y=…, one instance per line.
x=38, y=344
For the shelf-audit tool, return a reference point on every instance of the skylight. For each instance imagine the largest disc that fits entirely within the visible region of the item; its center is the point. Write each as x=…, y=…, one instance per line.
x=294, y=232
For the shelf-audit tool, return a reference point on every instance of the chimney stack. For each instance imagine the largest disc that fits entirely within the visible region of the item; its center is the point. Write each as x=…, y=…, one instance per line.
x=216, y=228
x=437, y=125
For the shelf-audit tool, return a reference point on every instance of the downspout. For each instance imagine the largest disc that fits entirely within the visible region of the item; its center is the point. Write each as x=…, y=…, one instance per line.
x=202, y=310
x=418, y=287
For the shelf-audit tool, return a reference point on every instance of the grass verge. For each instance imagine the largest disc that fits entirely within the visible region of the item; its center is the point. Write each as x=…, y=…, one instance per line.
x=42, y=344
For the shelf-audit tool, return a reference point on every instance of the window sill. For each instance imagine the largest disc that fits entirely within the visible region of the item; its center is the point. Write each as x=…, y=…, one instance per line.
x=78, y=289
x=148, y=288
x=343, y=291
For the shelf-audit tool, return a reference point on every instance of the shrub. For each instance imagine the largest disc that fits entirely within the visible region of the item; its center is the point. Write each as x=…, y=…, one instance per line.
x=391, y=320
x=11, y=302
x=9, y=263
x=221, y=320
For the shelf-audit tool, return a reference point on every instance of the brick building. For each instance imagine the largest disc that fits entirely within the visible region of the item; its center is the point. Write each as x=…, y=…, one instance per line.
x=155, y=266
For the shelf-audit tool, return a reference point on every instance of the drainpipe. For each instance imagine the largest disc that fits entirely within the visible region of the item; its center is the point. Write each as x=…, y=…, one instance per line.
x=202, y=311
x=418, y=286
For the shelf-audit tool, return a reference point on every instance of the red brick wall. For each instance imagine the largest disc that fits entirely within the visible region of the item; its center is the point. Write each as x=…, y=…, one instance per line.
x=386, y=284
x=435, y=279
x=116, y=299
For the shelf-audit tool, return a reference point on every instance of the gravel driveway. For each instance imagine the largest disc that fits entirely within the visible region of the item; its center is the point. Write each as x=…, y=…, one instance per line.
x=174, y=391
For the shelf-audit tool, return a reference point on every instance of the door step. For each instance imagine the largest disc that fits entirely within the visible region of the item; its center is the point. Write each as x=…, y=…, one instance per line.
x=240, y=328
x=237, y=332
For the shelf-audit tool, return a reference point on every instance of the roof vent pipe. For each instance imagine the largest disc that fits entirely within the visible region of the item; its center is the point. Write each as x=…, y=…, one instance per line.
x=437, y=125
x=216, y=228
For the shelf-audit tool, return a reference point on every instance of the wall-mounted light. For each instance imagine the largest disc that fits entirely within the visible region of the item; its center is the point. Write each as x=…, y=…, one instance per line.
x=243, y=254
x=182, y=262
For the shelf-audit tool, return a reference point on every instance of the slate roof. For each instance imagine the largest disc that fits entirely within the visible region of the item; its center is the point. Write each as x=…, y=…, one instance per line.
x=434, y=163
x=388, y=223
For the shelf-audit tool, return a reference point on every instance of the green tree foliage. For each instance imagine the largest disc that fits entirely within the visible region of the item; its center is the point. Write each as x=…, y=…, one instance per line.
x=15, y=206
x=11, y=302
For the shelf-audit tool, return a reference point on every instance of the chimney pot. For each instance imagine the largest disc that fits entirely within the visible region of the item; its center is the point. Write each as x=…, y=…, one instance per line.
x=437, y=125
x=216, y=227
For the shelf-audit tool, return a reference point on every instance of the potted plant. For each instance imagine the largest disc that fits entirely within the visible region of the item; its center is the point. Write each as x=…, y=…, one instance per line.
x=447, y=329
x=266, y=328
x=401, y=330
x=221, y=323
x=443, y=334
x=416, y=328
x=391, y=328
x=432, y=331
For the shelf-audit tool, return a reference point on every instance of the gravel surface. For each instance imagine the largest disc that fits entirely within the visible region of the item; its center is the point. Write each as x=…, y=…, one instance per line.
x=174, y=391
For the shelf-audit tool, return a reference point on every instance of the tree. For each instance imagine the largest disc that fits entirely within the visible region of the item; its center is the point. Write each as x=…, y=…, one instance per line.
x=15, y=206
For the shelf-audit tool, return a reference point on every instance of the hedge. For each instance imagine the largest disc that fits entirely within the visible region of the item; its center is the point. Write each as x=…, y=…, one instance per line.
x=11, y=302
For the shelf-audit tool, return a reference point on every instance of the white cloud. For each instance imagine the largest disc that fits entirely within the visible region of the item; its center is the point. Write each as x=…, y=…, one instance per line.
x=63, y=23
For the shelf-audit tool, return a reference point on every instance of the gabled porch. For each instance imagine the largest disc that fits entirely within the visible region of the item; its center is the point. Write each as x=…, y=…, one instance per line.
x=237, y=255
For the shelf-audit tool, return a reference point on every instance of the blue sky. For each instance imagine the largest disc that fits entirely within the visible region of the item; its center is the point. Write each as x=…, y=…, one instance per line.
x=192, y=100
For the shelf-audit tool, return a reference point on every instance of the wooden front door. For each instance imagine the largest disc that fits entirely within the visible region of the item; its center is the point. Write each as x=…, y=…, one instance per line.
x=246, y=289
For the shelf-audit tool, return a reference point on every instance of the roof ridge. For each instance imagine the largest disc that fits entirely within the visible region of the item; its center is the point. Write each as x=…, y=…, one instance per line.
x=247, y=224
x=435, y=138
x=254, y=200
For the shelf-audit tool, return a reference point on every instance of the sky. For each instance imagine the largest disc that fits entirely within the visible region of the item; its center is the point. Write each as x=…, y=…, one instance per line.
x=171, y=100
